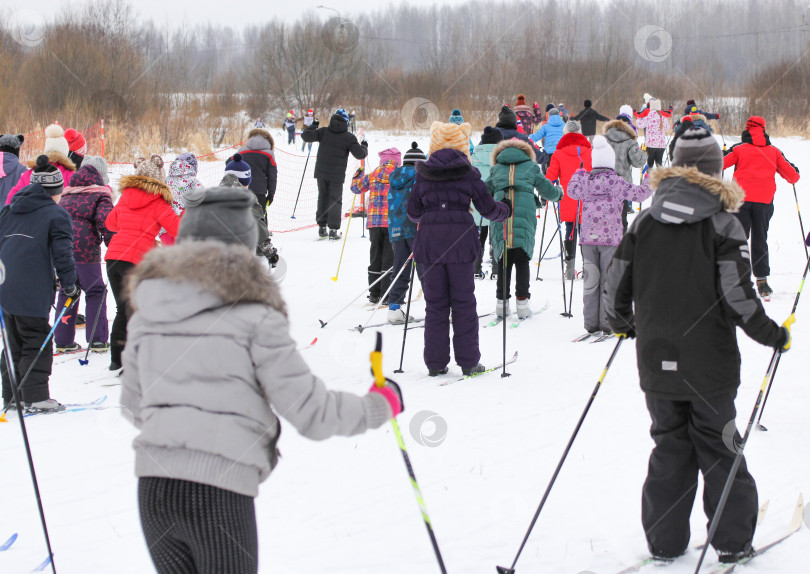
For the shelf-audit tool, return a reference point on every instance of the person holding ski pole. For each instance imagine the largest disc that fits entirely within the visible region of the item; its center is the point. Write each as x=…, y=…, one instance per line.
x=756, y=163
x=36, y=236
x=208, y=413
x=680, y=284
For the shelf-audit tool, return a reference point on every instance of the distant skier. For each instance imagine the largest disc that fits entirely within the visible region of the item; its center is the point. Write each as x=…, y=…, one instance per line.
x=550, y=133
x=353, y=121
x=309, y=119
x=656, y=126
x=588, y=118
x=525, y=114
x=289, y=125
x=259, y=123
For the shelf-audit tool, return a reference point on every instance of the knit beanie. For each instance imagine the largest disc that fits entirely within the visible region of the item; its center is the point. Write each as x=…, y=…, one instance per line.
x=86, y=176
x=451, y=136
x=152, y=167
x=413, y=155
x=219, y=214
x=240, y=168
x=655, y=104
x=572, y=127
x=190, y=159
x=553, y=112
x=491, y=135
x=456, y=117
x=521, y=100
x=696, y=147
x=100, y=164
x=11, y=144
x=691, y=103
x=76, y=141
x=343, y=114
x=390, y=154
x=48, y=176
x=626, y=110
x=507, y=119
x=602, y=154
x=55, y=141
x=588, y=103
x=549, y=106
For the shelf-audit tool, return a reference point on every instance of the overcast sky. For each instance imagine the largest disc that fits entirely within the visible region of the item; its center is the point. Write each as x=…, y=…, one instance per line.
x=235, y=15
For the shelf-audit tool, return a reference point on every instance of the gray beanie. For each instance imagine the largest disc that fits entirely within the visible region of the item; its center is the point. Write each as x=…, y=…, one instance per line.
x=696, y=147
x=572, y=127
x=553, y=112
x=100, y=164
x=219, y=214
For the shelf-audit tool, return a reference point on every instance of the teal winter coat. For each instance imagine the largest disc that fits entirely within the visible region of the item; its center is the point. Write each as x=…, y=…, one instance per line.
x=481, y=157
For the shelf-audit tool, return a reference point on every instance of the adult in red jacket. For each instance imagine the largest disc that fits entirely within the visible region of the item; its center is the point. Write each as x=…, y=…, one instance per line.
x=145, y=206
x=573, y=152
x=756, y=163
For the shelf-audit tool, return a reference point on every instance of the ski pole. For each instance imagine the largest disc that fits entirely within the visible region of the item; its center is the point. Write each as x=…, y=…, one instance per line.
x=565, y=312
x=95, y=323
x=792, y=312
x=542, y=240
x=380, y=380
x=345, y=237
x=365, y=289
x=801, y=224
x=302, y=181
x=12, y=377
x=574, y=239
x=407, y=318
x=720, y=129
x=66, y=306
x=511, y=569
x=362, y=328
x=505, y=301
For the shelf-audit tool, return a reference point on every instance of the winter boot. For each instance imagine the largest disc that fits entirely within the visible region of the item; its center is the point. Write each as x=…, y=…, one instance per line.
x=437, y=372
x=99, y=346
x=396, y=316
x=81, y=322
x=70, y=348
x=523, y=309
x=732, y=557
x=334, y=234
x=268, y=251
x=477, y=369
x=499, y=308
x=46, y=406
x=322, y=231
x=570, y=270
x=764, y=289
x=115, y=366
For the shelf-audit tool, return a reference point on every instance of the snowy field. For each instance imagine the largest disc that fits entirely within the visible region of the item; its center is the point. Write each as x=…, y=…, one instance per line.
x=346, y=506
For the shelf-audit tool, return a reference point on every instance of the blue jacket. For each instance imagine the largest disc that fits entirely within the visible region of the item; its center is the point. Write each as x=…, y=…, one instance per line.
x=14, y=169
x=36, y=235
x=400, y=183
x=552, y=131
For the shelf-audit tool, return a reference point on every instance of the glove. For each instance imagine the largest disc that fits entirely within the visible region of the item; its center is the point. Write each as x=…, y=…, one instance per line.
x=508, y=204
x=391, y=393
x=718, y=115
x=72, y=291
x=364, y=143
x=787, y=326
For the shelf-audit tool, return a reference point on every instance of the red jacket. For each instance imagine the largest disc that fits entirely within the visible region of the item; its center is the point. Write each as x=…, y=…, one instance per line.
x=145, y=206
x=573, y=151
x=756, y=167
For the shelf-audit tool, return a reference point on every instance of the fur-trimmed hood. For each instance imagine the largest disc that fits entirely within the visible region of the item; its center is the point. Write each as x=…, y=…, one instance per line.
x=686, y=195
x=176, y=282
x=148, y=185
x=55, y=158
x=259, y=139
x=512, y=157
x=622, y=129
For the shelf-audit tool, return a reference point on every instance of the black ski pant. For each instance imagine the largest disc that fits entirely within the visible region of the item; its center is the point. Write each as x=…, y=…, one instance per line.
x=402, y=250
x=25, y=337
x=193, y=528
x=756, y=219
x=515, y=257
x=116, y=276
x=381, y=258
x=695, y=436
x=655, y=156
x=483, y=238
x=330, y=202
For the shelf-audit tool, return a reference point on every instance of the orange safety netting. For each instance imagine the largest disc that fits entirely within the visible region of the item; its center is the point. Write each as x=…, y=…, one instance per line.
x=35, y=142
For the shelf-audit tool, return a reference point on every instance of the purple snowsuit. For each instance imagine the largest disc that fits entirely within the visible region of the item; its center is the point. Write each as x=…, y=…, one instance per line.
x=447, y=245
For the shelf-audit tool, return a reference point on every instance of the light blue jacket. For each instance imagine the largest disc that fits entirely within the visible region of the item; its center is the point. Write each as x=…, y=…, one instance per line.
x=550, y=132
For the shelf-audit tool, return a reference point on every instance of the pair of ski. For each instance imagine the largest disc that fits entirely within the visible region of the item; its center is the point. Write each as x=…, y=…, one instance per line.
x=8, y=543
x=515, y=324
x=597, y=337
x=490, y=370
x=74, y=407
x=794, y=526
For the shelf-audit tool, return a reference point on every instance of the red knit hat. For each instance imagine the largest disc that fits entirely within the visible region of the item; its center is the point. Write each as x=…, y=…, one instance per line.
x=76, y=141
x=755, y=122
x=521, y=100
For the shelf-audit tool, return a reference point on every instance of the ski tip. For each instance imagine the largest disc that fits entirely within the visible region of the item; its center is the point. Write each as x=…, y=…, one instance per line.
x=315, y=340
x=798, y=514
x=44, y=565
x=7, y=544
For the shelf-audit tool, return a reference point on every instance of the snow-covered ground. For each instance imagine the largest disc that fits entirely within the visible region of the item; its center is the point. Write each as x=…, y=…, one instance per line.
x=346, y=505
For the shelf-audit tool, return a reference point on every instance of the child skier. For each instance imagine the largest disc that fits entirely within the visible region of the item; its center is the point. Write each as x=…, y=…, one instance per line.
x=447, y=245
x=381, y=257
x=205, y=399
x=182, y=178
x=36, y=236
x=401, y=230
x=482, y=161
x=515, y=176
x=289, y=125
x=756, y=163
x=602, y=193
x=309, y=119
x=656, y=126
x=680, y=284
x=622, y=136
x=550, y=132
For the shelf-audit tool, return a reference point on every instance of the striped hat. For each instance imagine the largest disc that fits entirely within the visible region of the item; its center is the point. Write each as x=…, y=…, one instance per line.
x=696, y=147
x=453, y=136
x=413, y=155
x=456, y=117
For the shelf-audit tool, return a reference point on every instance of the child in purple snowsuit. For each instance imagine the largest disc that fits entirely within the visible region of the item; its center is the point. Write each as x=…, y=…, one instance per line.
x=447, y=246
x=602, y=193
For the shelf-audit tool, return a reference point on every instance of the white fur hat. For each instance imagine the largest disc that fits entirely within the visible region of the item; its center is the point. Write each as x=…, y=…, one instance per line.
x=55, y=140
x=626, y=110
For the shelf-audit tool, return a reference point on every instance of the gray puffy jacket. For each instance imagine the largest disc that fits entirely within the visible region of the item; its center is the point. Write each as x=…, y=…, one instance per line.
x=209, y=362
x=624, y=142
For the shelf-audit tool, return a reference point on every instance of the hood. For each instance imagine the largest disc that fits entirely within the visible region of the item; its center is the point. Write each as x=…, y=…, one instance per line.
x=762, y=139
x=30, y=198
x=258, y=142
x=619, y=131
x=444, y=165
x=180, y=168
x=103, y=189
x=55, y=158
x=685, y=195
x=150, y=189
x=573, y=140
x=337, y=124
x=483, y=152
x=177, y=282
x=555, y=120
x=230, y=180
x=9, y=160
x=512, y=151
x=402, y=176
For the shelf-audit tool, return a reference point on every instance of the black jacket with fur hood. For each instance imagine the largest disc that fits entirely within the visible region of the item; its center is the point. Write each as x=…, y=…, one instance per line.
x=681, y=279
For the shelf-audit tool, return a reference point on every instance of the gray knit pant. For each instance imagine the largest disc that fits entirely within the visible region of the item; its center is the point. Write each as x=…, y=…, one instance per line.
x=597, y=258
x=193, y=528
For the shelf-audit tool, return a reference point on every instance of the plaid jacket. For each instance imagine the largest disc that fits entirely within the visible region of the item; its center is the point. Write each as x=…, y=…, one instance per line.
x=376, y=184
